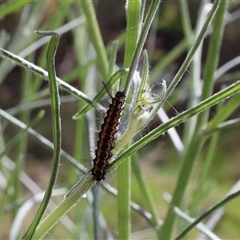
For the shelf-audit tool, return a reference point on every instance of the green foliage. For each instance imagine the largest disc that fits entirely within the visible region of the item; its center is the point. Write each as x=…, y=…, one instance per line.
x=189, y=180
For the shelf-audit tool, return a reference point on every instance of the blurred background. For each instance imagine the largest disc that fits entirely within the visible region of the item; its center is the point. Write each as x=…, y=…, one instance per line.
x=159, y=159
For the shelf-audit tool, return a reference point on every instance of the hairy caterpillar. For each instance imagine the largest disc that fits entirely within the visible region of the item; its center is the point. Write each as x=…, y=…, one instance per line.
x=107, y=137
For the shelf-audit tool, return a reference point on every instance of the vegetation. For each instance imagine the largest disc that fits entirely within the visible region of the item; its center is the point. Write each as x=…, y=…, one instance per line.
x=188, y=187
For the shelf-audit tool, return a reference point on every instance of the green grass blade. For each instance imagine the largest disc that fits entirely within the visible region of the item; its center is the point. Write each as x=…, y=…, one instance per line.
x=222, y=115
x=8, y=146
x=199, y=190
x=18, y=136
x=120, y=73
x=55, y=103
x=43, y=74
x=167, y=60
x=201, y=227
x=227, y=125
x=10, y=7
x=133, y=13
x=42, y=140
x=186, y=21
x=113, y=57
x=209, y=102
x=146, y=194
x=208, y=212
x=142, y=38
x=196, y=142
x=192, y=51
x=70, y=200
x=88, y=9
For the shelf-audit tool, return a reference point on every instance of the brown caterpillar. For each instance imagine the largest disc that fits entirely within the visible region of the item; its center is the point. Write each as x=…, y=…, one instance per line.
x=107, y=137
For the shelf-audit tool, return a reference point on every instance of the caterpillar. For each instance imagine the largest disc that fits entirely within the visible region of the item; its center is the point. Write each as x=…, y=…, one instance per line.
x=107, y=137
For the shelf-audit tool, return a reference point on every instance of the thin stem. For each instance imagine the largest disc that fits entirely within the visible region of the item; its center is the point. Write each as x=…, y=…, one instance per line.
x=146, y=26
x=207, y=213
x=182, y=117
x=88, y=9
x=44, y=74
x=55, y=103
